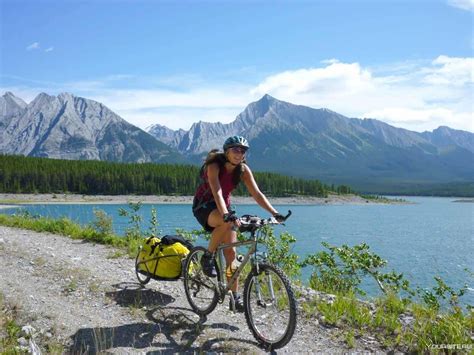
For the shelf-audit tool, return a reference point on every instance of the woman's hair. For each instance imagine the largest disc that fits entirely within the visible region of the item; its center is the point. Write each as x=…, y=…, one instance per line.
x=214, y=156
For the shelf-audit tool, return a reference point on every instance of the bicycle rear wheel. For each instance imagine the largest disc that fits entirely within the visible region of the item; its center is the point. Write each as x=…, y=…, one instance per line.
x=270, y=306
x=200, y=289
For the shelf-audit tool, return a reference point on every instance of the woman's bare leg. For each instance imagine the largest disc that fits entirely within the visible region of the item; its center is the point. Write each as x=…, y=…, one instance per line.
x=222, y=234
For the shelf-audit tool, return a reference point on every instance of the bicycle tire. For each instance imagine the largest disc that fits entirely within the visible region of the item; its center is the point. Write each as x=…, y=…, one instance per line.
x=200, y=289
x=283, y=324
x=142, y=276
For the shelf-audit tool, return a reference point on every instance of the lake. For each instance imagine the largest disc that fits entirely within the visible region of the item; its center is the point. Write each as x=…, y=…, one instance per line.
x=433, y=236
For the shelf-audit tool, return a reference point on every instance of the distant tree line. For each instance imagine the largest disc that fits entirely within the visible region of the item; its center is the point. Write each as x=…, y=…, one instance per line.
x=19, y=174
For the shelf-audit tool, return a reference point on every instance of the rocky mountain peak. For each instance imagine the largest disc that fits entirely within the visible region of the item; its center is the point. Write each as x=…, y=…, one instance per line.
x=9, y=94
x=444, y=136
x=268, y=99
x=11, y=98
x=71, y=127
x=167, y=135
x=41, y=100
x=10, y=105
x=444, y=130
x=66, y=97
x=260, y=108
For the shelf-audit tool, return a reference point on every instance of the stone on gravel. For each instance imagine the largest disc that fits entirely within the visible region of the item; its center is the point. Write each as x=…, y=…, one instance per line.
x=28, y=330
x=23, y=342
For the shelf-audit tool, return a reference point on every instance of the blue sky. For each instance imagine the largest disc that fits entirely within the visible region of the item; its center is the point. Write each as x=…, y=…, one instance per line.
x=408, y=63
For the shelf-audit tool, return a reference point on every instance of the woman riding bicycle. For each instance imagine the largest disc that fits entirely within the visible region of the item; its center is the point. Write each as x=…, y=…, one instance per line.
x=220, y=175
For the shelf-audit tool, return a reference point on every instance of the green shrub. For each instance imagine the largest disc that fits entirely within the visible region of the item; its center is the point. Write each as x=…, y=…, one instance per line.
x=102, y=222
x=280, y=252
x=341, y=270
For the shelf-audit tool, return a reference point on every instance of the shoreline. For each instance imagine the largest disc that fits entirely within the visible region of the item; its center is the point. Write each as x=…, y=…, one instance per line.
x=13, y=200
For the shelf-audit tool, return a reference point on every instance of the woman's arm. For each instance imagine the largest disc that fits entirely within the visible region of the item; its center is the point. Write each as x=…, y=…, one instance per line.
x=258, y=196
x=213, y=179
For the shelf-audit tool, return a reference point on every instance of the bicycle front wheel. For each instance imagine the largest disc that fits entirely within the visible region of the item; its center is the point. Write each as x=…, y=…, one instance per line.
x=200, y=289
x=270, y=306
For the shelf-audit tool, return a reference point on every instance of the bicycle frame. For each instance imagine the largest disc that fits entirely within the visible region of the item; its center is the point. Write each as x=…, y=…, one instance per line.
x=224, y=286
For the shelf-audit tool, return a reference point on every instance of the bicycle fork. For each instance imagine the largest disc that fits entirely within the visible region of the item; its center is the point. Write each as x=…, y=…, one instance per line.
x=260, y=301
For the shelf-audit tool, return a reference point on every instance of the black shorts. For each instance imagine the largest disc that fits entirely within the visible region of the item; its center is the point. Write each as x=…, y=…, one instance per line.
x=203, y=212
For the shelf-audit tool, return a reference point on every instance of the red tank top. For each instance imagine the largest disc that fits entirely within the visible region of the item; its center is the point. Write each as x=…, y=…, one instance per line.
x=204, y=193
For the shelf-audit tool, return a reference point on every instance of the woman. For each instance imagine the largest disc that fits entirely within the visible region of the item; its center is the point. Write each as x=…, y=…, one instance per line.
x=220, y=175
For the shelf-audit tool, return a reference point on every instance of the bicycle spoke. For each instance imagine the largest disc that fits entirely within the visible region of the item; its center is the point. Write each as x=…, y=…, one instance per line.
x=200, y=289
x=271, y=308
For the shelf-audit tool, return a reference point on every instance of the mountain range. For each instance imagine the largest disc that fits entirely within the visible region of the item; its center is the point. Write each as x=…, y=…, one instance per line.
x=295, y=140
x=70, y=127
x=318, y=143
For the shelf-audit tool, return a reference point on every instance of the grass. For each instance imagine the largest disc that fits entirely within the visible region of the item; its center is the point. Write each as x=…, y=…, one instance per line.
x=66, y=227
x=39, y=261
x=9, y=329
x=70, y=287
x=116, y=254
x=94, y=287
x=350, y=339
x=430, y=328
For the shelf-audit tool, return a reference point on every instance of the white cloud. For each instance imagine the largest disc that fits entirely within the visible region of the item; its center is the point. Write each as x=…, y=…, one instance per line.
x=50, y=49
x=175, y=109
x=450, y=71
x=334, y=77
x=423, y=119
x=33, y=46
x=462, y=4
x=415, y=96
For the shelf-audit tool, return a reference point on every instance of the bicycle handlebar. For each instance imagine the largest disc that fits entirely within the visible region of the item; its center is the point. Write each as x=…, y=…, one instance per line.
x=250, y=223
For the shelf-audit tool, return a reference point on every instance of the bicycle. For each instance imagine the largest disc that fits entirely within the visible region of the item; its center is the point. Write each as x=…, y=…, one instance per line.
x=269, y=301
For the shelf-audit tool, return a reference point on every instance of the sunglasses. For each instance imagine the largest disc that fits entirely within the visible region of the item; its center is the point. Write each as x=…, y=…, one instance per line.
x=237, y=150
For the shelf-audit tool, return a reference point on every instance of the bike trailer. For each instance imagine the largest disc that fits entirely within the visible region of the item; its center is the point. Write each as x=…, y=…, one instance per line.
x=161, y=258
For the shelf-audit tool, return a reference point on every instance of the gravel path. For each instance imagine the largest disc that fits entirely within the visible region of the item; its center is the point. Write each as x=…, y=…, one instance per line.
x=88, y=299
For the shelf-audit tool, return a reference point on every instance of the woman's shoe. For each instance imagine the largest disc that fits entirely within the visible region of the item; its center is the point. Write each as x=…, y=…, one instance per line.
x=208, y=263
x=236, y=303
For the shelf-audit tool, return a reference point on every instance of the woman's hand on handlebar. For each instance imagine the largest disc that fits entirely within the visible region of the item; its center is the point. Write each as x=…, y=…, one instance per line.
x=231, y=217
x=279, y=217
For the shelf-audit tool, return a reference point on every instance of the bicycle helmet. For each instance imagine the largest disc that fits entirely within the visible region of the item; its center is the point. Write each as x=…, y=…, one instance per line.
x=236, y=141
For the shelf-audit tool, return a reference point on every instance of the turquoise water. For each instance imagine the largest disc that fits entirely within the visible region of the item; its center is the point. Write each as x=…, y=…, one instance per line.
x=433, y=236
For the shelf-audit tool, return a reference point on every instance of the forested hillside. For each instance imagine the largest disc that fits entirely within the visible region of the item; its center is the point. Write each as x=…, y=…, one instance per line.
x=20, y=174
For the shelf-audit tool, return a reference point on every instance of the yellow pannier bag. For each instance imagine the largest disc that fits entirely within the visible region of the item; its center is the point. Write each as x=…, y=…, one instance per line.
x=160, y=259
x=169, y=263
x=147, y=253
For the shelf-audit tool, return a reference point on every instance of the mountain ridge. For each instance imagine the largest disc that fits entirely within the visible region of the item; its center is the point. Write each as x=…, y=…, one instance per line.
x=285, y=138
x=72, y=127
x=319, y=143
